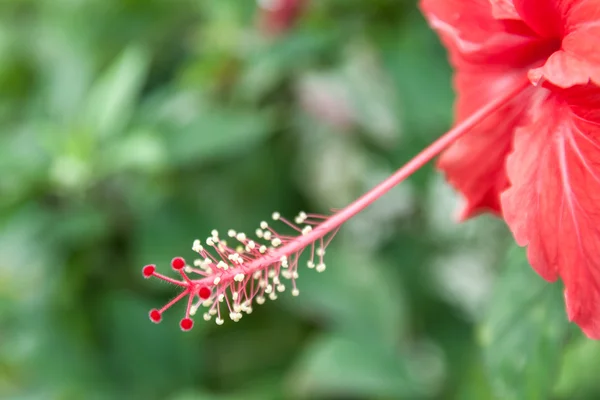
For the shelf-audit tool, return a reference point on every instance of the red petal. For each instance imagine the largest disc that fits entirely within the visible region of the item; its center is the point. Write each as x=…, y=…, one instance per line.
x=475, y=164
x=553, y=205
x=574, y=23
x=504, y=9
x=557, y=18
x=472, y=34
x=543, y=16
x=577, y=63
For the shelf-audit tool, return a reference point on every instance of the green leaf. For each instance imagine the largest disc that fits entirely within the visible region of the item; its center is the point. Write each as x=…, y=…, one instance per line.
x=337, y=366
x=578, y=377
x=112, y=99
x=138, y=352
x=523, y=334
x=355, y=294
x=216, y=133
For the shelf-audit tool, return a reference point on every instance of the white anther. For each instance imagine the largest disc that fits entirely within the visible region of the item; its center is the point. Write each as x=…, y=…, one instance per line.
x=207, y=303
x=267, y=235
x=188, y=269
x=295, y=275
x=260, y=300
x=231, y=233
x=286, y=274
x=222, y=264
x=276, y=216
x=196, y=246
x=237, y=308
x=310, y=264
x=262, y=249
x=210, y=242
x=234, y=296
x=241, y=236
x=306, y=230
x=216, y=280
x=198, y=262
x=193, y=310
x=320, y=267
x=273, y=296
x=214, y=233
x=281, y=288
x=264, y=225
x=276, y=280
x=248, y=310
x=212, y=311
x=235, y=316
x=221, y=297
x=276, y=242
x=251, y=245
x=320, y=252
x=302, y=215
x=269, y=289
x=272, y=273
x=259, y=233
x=257, y=275
x=295, y=292
x=219, y=321
x=206, y=316
x=239, y=277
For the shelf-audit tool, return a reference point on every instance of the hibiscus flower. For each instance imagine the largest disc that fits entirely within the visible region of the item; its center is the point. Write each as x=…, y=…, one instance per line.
x=536, y=159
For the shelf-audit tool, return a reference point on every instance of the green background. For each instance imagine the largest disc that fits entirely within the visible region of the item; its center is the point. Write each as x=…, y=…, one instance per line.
x=130, y=128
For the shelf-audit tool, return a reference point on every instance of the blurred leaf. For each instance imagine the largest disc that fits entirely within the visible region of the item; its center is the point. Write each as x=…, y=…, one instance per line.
x=111, y=101
x=268, y=66
x=139, y=352
x=474, y=384
x=261, y=389
x=142, y=150
x=422, y=80
x=524, y=332
x=578, y=377
x=355, y=294
x=338, y=366
x=216, y=133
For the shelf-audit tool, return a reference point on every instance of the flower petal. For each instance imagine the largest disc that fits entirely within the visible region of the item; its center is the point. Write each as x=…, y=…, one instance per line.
x=543, y=16
x=576, y=25
x=557, y=18
x=577, y=63
x=474, y=165
x=553, y=204
x=504, y=9
x=473, y=36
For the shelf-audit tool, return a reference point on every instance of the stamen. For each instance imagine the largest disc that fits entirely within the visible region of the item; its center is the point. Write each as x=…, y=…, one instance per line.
x=235, y=278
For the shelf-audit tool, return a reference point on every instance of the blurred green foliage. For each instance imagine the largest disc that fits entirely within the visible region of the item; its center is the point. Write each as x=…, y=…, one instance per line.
x=131, y=127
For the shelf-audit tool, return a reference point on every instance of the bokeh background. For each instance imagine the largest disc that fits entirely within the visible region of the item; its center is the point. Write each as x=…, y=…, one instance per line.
x=129, y=128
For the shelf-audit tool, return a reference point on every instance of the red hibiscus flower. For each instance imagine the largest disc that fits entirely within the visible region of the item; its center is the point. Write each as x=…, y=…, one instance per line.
x=536, y=160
